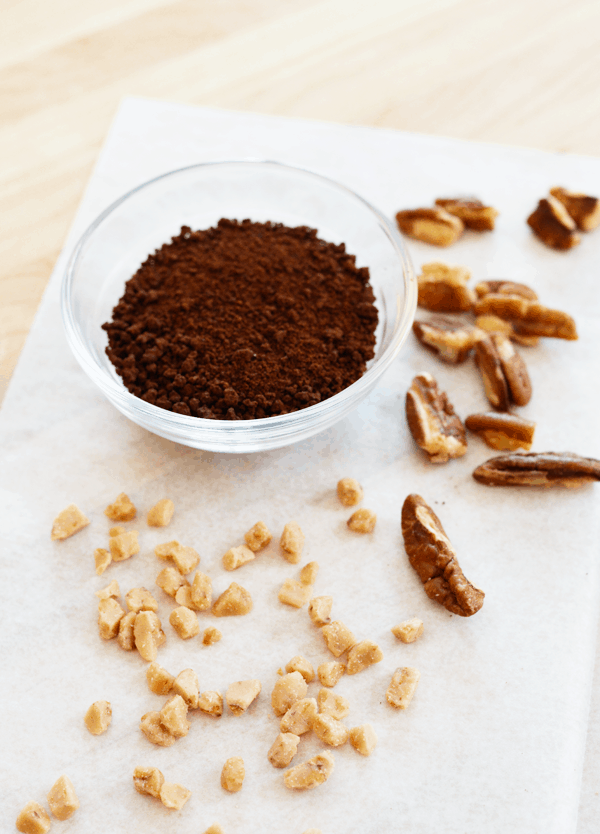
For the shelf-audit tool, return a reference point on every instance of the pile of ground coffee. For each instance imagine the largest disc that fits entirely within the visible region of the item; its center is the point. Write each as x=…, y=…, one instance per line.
x=243, y=320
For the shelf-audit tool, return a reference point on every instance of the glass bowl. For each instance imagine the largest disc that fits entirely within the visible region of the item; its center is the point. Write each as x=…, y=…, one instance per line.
x=121, y=238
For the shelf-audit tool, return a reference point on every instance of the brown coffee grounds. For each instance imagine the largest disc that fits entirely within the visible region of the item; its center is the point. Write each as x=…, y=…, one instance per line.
x=243, y=320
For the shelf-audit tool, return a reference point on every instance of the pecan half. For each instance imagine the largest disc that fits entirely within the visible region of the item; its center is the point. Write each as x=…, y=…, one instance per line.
x=494, y=324
x=432, y=421
x=584, y=210
x=514, y=369
x=553, y=224
x=434, y=559
x=443, y=288
x=505, y=288
x=503, y=371
x=529, y=318
x=431, y=225
x=473, y=213
x=538, y=469
x=450, y=339
x=505, y=432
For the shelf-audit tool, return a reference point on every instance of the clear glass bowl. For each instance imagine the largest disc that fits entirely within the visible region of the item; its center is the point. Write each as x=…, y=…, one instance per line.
x=114, y=246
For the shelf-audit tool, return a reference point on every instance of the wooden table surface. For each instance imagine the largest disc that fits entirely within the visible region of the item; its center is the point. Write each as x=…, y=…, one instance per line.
x=518, y=72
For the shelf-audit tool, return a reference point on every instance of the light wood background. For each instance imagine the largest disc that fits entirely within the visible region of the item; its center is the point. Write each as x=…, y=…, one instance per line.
x=522, y=72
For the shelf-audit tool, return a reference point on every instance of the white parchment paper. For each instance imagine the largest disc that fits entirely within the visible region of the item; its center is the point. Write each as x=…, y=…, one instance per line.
x=495, y=737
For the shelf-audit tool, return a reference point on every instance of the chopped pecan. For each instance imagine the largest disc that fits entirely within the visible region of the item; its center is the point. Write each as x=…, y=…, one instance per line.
x=553, y=224
x=443, y=288
x=505, y=432
x=515, y=370
x=473, y=213
x=538, y=469
x=504, y=373
x=584, y=210
x=494, y=324
x=432, y=421
x=529, y=318
x=541, y=321
x=434, y=559
x=431, y=225
x=490, y=367
x=452, y=340
x=505, y=288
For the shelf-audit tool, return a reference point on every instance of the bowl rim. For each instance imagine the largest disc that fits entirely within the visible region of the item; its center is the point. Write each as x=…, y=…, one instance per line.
x=285, y=423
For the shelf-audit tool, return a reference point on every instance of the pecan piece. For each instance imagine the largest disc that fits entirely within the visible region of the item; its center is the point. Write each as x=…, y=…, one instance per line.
x=431, y=225
x=505, y=432
x=452, y=340
x=484, y=288
x=494, y=324
x=503, y=371
x=514, y=369
x=542, y=321
x=473, y=213
x=538, y=469
x=553, y=224
x=443, y=288
x=529, y=318
x=434, y=559
x=432, y=421
x=490, y=367
x=584, y=210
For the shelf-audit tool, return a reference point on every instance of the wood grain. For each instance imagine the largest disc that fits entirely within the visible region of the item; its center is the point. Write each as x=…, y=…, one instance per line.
x=521, y=72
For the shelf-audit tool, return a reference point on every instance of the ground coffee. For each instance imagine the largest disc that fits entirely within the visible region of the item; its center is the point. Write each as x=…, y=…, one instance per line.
x=243, y=320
